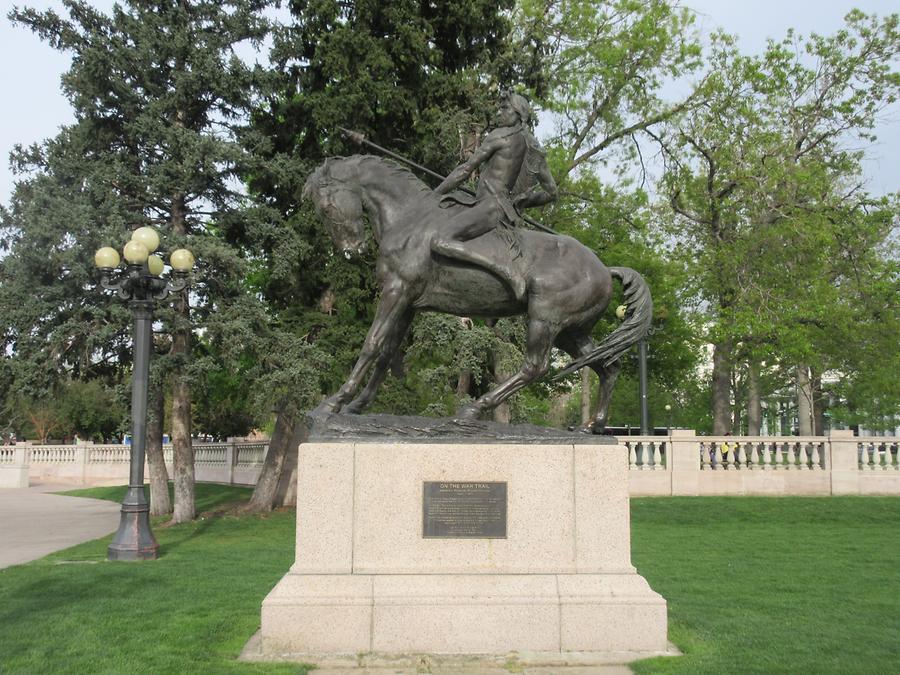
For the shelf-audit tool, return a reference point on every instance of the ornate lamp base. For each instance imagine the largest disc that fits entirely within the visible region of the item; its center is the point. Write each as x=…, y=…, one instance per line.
x=134, y=539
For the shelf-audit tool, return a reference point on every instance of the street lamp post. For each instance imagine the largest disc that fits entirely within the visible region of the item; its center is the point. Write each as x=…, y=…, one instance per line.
x=668, y=419
x=141, y=285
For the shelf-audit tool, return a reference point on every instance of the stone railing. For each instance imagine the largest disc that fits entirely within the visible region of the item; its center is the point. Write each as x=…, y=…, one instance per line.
x=686, y=464
x=233, y=462
x=679, y=464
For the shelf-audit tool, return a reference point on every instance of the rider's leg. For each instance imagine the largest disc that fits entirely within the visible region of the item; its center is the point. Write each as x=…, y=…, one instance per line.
x=468, y=224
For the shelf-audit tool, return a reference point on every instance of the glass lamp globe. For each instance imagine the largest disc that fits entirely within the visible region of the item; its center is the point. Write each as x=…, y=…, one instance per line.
x=135, y=252
x=106, y=258
x=181, y=260
x=155, y=265
x=620, y=311
x=146, y=236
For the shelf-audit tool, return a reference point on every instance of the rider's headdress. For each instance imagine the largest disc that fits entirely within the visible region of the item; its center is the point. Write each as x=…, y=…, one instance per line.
x=518, y=103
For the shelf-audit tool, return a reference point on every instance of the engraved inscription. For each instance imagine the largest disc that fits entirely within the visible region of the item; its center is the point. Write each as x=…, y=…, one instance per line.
x=464, y=510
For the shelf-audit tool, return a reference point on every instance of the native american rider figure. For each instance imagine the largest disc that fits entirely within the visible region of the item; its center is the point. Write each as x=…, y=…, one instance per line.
x=513, y=176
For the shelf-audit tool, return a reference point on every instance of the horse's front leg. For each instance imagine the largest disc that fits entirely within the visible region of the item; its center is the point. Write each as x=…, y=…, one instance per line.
x=388, y=319
x=382, y=365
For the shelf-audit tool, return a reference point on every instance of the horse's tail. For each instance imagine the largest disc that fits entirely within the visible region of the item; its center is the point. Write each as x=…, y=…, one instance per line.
x=636, y=325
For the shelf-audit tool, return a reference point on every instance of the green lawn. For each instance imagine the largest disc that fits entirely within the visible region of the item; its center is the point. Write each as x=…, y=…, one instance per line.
x=774, y=585
x=190, y=611
x=753, y=584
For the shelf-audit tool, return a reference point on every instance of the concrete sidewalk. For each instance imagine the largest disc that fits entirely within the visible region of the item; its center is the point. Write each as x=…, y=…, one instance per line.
x=34, y=523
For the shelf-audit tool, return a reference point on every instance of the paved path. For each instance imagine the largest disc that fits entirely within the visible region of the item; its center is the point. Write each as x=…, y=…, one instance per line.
x=34, y=523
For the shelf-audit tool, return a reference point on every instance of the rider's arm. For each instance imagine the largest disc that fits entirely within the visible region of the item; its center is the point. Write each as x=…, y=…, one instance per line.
x=487, y=148
x=542, y=193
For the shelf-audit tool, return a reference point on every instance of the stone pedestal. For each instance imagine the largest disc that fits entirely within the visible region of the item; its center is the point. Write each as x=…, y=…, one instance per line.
x=366, y=580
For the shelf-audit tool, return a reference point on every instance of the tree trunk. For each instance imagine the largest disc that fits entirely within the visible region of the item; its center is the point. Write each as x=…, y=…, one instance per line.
x=265, y=493
x=463, y=383
x=586, y=417
x=721, y=388
x=183, y=453
x=160, y=504
x=818, y=405
x=286, y=493
x=754, y=402
x=804, y=402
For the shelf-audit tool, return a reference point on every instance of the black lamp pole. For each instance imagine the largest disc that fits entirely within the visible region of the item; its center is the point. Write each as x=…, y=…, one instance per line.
x=642, y=376
x=141, y=287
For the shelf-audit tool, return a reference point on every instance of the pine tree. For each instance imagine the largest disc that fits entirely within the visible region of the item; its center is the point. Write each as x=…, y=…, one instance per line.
x=159, y=96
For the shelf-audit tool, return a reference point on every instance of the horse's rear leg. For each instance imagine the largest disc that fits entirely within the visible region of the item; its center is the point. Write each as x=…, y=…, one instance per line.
x=580, y=344
x=537, y=363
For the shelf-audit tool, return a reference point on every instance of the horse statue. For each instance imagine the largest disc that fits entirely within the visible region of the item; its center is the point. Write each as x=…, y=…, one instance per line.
x=568, y=288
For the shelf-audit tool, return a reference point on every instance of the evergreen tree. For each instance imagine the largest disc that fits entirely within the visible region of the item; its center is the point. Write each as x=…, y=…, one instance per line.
x=159, y=96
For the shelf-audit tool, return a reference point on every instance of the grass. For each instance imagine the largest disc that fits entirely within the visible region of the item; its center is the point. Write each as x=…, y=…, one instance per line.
x=190, y=611
x=754, y=585
x=774, y=585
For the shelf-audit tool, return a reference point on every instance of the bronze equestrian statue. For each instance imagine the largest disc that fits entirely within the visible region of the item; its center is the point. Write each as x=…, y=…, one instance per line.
x=464, y=258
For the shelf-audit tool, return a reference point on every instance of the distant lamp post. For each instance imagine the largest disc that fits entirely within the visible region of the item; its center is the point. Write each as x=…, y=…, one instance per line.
x=141, y=284
x=668, y=419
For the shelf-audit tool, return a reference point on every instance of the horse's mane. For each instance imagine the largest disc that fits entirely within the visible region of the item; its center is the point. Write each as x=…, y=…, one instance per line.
x=397, y=170
x=323, y=176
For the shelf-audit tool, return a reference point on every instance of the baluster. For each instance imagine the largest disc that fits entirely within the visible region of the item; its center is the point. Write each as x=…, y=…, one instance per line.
x=651, y=455
x=821, y=448
x=703, y=465
x=765, y=455
x=808, y=451
x=871, y=462
x=886, y=457
x=895, y=460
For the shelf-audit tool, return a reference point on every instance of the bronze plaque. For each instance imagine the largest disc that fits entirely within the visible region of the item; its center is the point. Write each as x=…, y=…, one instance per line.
x=464, y=510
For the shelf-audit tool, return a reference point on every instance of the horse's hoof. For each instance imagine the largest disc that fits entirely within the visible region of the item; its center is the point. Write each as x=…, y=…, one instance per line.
x=325, y=408
x=353, y=408
x=469, y=412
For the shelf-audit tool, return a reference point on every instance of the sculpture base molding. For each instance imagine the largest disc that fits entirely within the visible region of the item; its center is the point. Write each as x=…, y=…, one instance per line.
x=560, y=586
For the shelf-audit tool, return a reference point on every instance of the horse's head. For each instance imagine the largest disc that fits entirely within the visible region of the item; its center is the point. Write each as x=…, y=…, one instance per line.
x=334, y=190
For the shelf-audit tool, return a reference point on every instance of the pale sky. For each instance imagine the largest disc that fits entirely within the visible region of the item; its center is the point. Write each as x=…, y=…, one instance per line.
x=34, y=107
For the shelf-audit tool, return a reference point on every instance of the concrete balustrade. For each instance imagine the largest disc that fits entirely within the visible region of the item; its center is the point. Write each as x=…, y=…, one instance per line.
x=686, y=464
x=681, y=463
x=233, y=462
